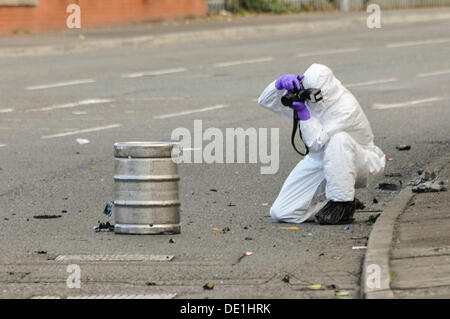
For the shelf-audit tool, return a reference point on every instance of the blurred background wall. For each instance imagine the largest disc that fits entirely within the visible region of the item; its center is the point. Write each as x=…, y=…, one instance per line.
x=46, y=15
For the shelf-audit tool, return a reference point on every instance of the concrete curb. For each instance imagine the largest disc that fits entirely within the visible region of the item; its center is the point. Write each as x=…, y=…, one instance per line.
x=345, y=21
x=377, y=259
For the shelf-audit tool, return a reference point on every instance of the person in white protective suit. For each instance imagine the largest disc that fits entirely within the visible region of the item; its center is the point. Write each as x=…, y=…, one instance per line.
x=342, y=155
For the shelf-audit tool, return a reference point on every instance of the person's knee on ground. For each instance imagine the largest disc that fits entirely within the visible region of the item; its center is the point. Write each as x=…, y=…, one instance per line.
x=340, y=167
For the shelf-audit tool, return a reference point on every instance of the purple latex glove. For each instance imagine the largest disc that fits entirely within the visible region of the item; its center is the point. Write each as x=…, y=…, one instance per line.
x=302, y=111
x=286, y=82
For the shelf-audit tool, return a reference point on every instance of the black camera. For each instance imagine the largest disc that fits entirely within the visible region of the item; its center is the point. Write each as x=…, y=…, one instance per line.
x=301, y=95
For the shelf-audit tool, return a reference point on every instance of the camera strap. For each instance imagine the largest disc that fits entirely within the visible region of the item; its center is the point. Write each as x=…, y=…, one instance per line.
x=294, y=131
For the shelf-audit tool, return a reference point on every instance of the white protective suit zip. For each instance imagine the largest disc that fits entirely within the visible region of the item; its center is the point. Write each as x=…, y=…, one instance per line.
x=342, y=153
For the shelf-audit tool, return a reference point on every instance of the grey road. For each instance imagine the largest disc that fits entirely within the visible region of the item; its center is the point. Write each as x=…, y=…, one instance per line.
x=400, y=74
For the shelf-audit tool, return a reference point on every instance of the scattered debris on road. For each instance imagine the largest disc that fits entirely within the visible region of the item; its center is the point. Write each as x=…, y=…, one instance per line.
x=427, y=182
x=347, y=228
x=41, y=252
x=341, y=294
x=286, y=279
x=108, y=211
x=393, y=175
x=314, y=287
x=359, y=205
x=389, y=186
x=289, y=228
x=47, y=216
x=208, y=286
x=430, y=187
x=403, y=147
x=82, y=141
x=216, y=229
x=372, y=219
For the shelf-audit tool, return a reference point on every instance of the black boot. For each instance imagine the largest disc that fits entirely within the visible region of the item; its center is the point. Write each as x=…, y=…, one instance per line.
x=334, y=213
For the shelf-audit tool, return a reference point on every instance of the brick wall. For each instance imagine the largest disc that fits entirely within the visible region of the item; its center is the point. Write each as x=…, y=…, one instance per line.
x=50, y=15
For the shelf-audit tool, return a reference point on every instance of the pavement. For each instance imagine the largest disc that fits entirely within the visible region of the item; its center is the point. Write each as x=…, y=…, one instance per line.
x=408, y=251
x=125, y=92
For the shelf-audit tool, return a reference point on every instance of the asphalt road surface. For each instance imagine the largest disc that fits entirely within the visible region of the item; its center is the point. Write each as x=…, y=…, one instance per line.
x=400, y=75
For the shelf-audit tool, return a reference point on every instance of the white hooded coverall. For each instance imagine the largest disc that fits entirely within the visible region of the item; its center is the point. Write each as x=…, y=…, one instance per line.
x=340, y=140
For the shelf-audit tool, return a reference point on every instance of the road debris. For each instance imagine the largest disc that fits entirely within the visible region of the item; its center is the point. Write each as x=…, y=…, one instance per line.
x=216, y=229
x=341, y=294
x=430, y=187
x=41, y=252
x=403, y=147
x=208, y=286
x=150, y=283
x=359, y=247
x=46, y=216
x=427, y=182
x=372, y=219
x=286, y=279
x=347, y=228
x=289, y=228
x=248, y=238
x=82, y=141
x=213, y=190
x=108, y=211
x=359, y=205
x=410, y=164
x=226, y=230
x=389, y=186
x=171, y=241
x=231, y=205
x=424, y=176
x=248, y=254
x=393, y=175
x=314, y=287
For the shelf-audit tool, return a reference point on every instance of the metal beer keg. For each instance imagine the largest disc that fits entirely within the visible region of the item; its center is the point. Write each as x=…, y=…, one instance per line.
x=146, y=197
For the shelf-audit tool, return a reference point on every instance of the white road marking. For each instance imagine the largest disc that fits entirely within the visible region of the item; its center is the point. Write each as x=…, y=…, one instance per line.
x=414, y=43
x=409, y=103
x=191, y=149
x=3, y=145
x=114, y=257
x=424, y=75
x=371, y=82
x=70, y=105
x=95, y=129
x=234, y=63
x=6, y=110
x=328, y=52
x=159, y=117
x=59, y=84
x=153, y=73
x=145, y=296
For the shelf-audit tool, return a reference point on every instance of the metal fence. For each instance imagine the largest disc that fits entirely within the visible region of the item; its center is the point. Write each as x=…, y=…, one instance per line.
x=216, y=6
